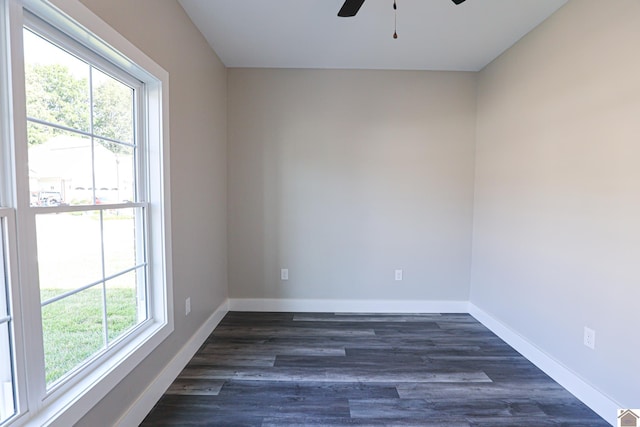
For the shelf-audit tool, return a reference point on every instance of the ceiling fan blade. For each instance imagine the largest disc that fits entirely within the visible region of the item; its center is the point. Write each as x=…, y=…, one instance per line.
x=350, y=8
x=458, y=1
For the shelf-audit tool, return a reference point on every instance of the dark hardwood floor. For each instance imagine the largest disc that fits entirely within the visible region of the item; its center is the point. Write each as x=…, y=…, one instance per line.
x=298, y=369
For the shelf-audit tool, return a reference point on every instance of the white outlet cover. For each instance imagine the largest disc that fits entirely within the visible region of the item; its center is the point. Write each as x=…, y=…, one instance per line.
x=284, y=274
x=398, y=275
x=590, y=338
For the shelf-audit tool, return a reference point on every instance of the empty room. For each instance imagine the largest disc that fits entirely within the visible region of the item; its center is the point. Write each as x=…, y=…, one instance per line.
x=319, y=212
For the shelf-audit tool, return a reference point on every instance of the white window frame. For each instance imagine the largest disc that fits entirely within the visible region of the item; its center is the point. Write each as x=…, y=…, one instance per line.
x=9, y=251
x=71, y=399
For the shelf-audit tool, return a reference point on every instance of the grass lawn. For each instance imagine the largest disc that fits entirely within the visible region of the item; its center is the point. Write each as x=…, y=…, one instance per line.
x=73, y=327
x=75, y=249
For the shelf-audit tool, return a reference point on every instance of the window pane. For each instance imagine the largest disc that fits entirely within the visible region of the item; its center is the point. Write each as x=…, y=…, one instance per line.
x=69, y=251
x=4, y=281
x=120, y=240
x=60, y=170
x=7, y=398
x=122, y=304
x=73, y=331
x=7, y=401
x=112, y=108
x=57, y=87
x=114, y=166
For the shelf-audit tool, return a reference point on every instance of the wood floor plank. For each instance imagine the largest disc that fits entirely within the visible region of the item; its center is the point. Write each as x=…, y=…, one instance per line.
x=215, y=350
x=274, y=331
x=387, y=375
x=442, y=410
x=340, y=422
x=376, y=318
x=204, y=359
x=328, y=369
x=195, y=387
x=309, y=389
x=541, y=391
x=224, y=406
x=347, y=361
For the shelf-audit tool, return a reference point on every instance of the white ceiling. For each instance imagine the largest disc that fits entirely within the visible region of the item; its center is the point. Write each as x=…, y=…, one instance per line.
x=433, y=34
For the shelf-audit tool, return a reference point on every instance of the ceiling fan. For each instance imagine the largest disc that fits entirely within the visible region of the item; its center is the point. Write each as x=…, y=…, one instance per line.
x=351, y=7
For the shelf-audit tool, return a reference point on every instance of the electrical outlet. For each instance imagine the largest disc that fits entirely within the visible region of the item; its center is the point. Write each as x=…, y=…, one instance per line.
x=398, y=275
x=187, y=306
x=590, y=338
x=284, y=274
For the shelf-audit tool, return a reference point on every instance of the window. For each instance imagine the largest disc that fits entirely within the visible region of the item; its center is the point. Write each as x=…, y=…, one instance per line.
x=84, y=210
x=92, y=268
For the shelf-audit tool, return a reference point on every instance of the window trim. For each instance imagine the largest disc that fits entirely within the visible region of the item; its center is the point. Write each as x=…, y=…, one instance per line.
x=68, y=403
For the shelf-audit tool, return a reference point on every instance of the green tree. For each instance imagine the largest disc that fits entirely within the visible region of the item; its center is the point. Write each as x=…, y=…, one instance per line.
x=56, y=96
x=113, y=112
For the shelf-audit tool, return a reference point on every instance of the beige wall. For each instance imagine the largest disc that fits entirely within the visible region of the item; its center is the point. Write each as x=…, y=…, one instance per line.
x=557, y=200
x=162, y=30
x=344, y=176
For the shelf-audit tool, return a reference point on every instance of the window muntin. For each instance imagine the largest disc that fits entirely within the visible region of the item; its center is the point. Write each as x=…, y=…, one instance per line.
x=82, y=157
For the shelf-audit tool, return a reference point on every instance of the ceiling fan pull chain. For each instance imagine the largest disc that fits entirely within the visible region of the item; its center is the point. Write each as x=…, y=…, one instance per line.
x=395, y=20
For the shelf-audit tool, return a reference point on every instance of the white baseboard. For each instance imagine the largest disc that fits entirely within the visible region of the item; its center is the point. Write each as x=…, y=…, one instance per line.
x=590, y=396
x=347, y=306
x=136, y=413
